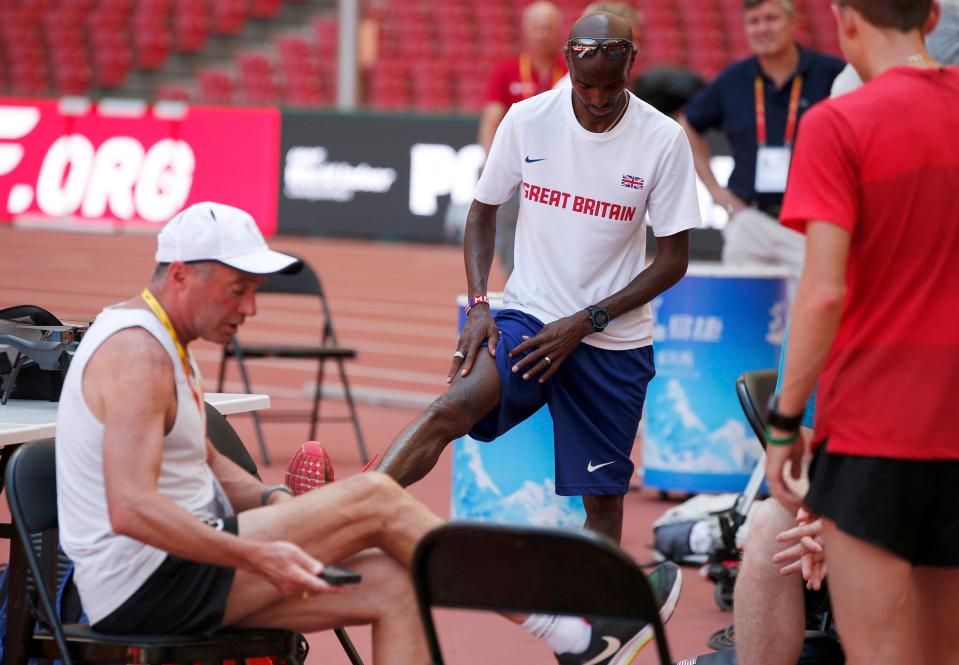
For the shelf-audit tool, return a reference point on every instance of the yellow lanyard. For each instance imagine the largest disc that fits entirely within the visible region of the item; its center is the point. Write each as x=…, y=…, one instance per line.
x=161, y=314
x=526, y=75
x=790, y=119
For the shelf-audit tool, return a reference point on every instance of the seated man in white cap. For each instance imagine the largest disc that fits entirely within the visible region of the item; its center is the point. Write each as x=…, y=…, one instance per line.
x=169, y=536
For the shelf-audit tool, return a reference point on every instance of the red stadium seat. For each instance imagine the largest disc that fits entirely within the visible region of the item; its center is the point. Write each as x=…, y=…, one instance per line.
x=325, y=32
x=265, y=8
x=229, y=16
x=192, y=24
x=257, y=81
x=216, y=85
x=177, y=92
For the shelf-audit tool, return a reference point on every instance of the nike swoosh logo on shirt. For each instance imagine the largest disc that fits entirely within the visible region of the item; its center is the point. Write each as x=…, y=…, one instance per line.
x=533, y=161
x=591, y=468
x=612, y=646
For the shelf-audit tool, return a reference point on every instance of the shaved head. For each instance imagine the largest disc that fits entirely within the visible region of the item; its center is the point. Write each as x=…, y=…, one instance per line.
x=601, y=25
x=599, y=81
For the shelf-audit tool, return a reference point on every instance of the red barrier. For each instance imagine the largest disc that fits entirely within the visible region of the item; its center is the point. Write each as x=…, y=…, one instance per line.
x=133, y=165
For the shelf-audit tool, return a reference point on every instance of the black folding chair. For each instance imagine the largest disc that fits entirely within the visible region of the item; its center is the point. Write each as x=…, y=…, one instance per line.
x=227, y=442
x=501, y=568
x=753, y=390
x=304, y=283
x=32, y=495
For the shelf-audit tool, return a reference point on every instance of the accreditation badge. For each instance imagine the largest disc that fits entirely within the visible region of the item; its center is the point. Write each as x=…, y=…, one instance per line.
x=772, y=169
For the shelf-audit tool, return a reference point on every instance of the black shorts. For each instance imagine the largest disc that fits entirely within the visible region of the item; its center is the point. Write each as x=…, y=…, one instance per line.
x=907, y=507
x=181, y=597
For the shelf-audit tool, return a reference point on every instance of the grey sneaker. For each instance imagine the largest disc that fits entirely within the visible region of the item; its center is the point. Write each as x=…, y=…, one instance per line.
x=618, y=642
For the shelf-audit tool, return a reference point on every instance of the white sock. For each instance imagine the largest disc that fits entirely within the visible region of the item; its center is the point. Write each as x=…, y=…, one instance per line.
x=562, y=634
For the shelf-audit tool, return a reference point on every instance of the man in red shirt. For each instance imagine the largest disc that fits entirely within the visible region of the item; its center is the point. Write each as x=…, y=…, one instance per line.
x=536, y=69
x=874, y=184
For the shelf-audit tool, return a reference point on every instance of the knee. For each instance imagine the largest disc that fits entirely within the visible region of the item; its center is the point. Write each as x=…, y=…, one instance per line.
x=768, y=521
x=377, y=486
x=450, y=416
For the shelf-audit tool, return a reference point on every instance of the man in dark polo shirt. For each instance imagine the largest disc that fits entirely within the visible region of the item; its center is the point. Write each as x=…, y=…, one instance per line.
x=758, y=104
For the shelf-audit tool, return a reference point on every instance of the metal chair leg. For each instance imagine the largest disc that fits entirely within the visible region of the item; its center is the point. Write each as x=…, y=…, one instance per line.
x=348, y=395
x=256, y=418
x=221, y=372
x=348, y=647
x=317, y=396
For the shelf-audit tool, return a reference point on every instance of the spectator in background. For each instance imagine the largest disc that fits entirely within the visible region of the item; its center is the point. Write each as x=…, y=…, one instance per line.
x=536, y=69
x=758, y=103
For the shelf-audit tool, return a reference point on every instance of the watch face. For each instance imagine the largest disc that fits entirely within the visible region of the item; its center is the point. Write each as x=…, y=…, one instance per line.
x=600, y=318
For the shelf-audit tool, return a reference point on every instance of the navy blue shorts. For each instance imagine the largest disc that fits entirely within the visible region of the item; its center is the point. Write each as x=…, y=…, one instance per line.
x=595, y=399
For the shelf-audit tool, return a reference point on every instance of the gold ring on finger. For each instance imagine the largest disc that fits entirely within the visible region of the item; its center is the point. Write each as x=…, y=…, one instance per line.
x=548, y=361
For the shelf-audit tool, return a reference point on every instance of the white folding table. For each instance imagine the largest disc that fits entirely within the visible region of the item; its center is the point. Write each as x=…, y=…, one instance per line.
x=23, y=420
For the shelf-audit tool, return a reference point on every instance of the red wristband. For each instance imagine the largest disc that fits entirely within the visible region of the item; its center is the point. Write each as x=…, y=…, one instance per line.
x=475, y=300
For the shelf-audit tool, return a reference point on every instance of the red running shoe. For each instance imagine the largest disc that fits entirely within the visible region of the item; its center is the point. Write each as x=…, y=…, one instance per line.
x=309, y=468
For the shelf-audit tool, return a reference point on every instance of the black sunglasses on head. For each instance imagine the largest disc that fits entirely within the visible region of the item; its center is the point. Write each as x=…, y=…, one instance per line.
x=613, y=48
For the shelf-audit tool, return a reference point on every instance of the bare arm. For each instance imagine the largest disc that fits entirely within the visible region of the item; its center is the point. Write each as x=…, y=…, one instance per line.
x=702, y=156
x=479, y=243
x=813, y=325
x=243, y=490
x=490, y=118
x=136, y=402
x=478, y=247
x=558, y=339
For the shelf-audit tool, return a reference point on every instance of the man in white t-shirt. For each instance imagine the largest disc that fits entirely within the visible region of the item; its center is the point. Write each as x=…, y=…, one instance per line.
x=576, y=332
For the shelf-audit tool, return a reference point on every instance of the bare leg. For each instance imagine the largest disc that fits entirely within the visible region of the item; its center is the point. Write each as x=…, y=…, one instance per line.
x=605, y=515
x=936, y=637
x=384, y=599
x=332, y=523
x=769, y=613
x=871, y=591
x=415, y=451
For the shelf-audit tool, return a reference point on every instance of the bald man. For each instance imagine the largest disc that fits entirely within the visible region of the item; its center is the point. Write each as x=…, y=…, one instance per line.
x=536, y=69
x=576, y=333
x=623, y=10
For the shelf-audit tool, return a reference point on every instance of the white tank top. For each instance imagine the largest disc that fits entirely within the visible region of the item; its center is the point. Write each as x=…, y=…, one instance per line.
x=109, y=568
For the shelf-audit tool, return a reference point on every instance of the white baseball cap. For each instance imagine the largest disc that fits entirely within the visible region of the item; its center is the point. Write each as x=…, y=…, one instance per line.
x=217, y=232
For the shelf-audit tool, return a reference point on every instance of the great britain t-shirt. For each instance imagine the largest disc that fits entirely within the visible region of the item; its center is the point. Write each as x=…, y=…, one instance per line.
x=584, y=197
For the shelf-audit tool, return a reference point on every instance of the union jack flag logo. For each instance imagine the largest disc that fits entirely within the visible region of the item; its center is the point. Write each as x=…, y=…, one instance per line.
x=633, y=182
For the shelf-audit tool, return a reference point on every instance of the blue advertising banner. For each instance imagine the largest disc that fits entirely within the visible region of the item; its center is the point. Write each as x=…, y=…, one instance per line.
x=715, y=324
x=511, y=480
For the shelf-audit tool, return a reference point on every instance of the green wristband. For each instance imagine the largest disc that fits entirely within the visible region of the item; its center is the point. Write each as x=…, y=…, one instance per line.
x=784, y=441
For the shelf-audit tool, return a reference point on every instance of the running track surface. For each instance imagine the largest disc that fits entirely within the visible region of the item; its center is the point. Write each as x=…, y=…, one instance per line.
x=396, y=304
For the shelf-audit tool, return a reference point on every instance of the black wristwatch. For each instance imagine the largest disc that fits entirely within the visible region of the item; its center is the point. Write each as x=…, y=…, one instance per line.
x=268, y=492
x=779, y=420
x=599, y=317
